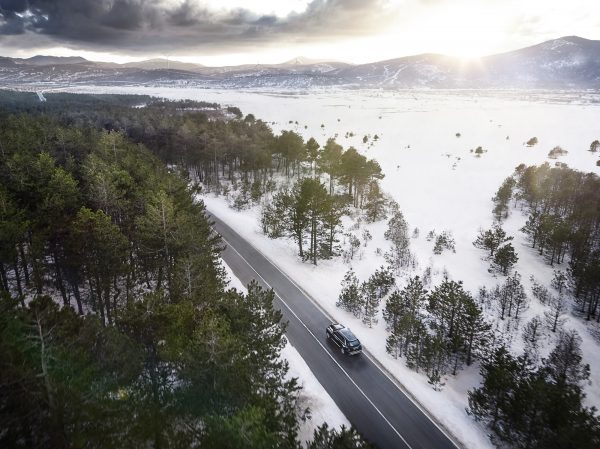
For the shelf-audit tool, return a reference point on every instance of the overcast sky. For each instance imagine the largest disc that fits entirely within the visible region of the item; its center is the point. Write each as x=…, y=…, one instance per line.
x=223, y=32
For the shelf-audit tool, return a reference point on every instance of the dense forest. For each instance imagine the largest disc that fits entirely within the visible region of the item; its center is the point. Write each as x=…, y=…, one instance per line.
x=224, y=151
x=116, y=326
x=563, y=223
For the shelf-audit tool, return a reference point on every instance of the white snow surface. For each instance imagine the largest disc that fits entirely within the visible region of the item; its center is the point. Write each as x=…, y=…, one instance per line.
x=322, y=407
x=439, y=184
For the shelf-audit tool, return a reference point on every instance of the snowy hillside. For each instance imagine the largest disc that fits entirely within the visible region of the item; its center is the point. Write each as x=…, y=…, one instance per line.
x=567, y=63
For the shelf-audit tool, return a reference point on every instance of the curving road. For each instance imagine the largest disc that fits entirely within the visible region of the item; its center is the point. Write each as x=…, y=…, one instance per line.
x=370, y=399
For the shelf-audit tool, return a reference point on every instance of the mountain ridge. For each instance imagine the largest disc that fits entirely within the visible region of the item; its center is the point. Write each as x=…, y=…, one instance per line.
x=567, y=62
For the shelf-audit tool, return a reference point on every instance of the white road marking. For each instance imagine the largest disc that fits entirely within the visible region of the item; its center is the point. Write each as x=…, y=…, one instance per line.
x=376, y=363
x=380, y=367
x=319, y=343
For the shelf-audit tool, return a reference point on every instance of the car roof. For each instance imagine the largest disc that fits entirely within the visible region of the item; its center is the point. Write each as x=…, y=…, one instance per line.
x=348, y=334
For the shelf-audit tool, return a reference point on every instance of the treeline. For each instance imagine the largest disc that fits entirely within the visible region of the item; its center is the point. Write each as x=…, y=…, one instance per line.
x=116, y=329
x=311, y=216
x=227, y=152
x=529, y=406
x=194, y=135
x=306, y=212
x=210, y=143
x=309, y=208
x=563, y=223
x=87, y=210
x=437, y=332
x=363, y=299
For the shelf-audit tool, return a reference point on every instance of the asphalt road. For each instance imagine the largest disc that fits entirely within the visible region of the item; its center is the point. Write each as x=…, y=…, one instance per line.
x=369, y=398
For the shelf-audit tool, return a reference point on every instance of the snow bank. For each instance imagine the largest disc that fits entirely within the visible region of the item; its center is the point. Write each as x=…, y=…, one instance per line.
x=313, y=395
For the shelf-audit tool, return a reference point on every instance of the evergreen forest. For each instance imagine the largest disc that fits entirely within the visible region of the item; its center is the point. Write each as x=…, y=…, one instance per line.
x=117, y=328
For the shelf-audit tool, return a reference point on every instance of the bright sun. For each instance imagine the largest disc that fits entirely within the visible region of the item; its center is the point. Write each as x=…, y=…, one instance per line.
x=463, y=30
x=466, y=32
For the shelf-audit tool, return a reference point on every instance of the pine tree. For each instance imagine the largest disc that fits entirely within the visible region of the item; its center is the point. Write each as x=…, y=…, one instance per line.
x=475, y=331
x=290, y=146
x=554, y=316
x=382, y=280
x=397, y=232
x=331, y=224
x=505, y=258
x=312, y=153
x=403, y=316
x=330, y=160
x=532, y=332
x=435, y=359
x=560, y=282
x=353, y=246
x=415, y=353
x=448, y=305
x=490, y=401
x=350, y=298
x=500, y=299
x=393, y=314
x=503, y=197
x=519, y=402
x=375, y=203
x=491, y=239
x=313, y=196
x=370, y=299
x=540, y=292
x=564, y=362
x=101, y=249
x=344, y=438
x=443, y=241
x=272, y=218
x=298, y=217
x=510, y=298
x=533, y=227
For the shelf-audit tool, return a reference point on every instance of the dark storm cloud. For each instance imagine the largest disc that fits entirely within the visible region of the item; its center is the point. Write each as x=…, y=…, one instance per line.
x=150, y=25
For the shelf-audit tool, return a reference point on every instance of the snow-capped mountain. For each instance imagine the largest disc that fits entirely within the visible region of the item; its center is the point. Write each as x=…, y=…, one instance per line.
x=565, y=63
x=568, y=62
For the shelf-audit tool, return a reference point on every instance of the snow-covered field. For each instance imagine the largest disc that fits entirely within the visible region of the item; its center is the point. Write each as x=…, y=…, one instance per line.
x=439, y=183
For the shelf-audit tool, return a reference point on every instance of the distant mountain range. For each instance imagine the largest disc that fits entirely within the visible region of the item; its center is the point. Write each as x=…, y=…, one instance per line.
x=566, y=63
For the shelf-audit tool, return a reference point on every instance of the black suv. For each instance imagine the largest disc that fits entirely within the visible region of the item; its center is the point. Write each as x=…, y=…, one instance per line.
x=344, y=338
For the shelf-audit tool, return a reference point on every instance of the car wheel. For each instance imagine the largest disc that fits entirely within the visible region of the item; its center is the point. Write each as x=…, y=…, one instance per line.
x=343, y=352
x=327, y=335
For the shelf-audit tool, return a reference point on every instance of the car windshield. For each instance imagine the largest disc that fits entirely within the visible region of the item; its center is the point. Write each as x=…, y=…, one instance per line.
x=349, y=335
x=354, y=343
